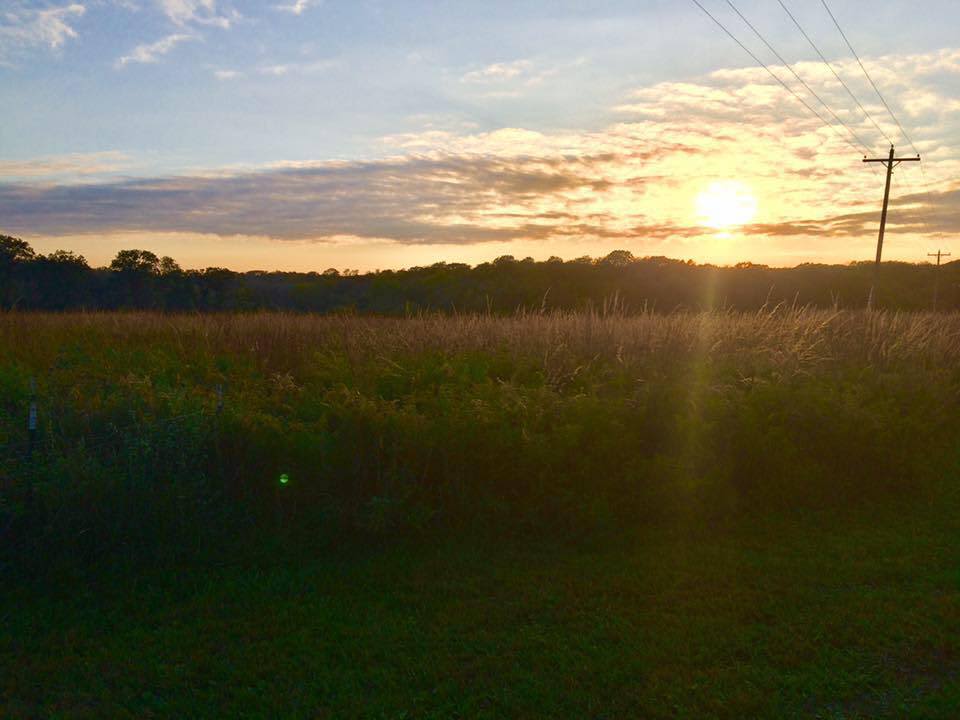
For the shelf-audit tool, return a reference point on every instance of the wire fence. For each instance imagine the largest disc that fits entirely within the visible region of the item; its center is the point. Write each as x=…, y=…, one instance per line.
x=63, y=469
x=41, y=437
x=51, y=429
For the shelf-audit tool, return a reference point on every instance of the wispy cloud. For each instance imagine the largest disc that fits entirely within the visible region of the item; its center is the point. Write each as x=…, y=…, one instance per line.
x=300, y=68
x=187, y=16
x=515, y=78
x=64, y=166
x=298, y=7
x=276, y=70
x=152, y=52
x=23, y=28
x=497, y=72
x=200, y=12
x=227, y=74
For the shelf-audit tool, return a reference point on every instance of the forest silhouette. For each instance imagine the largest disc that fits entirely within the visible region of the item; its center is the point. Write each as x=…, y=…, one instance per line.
x=140, y=280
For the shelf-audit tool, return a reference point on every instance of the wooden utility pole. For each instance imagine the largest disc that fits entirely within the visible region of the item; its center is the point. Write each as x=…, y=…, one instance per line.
x=890, y=163
x=936, y=282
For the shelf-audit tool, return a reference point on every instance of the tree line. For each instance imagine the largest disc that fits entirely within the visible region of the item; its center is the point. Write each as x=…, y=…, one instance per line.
x=140, y=280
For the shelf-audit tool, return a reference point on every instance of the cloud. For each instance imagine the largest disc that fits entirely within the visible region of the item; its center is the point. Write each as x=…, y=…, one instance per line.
x=74, y=165
x=227, y=74
x=24, y=29
x=922, y=88
x=298, y=7
x=152, y=52
x=298, y=68
x=498, y=72
x=408, y=200
x=200, y=12
x=276, y=70
x=186, y=15
x=513, y=79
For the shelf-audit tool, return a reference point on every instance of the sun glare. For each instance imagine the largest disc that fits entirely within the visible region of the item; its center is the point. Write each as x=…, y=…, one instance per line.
x=726, y=204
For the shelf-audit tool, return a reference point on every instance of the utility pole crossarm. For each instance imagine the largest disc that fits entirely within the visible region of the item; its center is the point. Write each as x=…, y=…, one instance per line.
x=896, y=160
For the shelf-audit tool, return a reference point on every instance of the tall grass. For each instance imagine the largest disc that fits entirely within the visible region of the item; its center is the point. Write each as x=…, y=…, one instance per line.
x=543, y=420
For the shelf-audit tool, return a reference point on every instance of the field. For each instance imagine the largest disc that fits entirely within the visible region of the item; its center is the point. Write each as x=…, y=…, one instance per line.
x=547, y=515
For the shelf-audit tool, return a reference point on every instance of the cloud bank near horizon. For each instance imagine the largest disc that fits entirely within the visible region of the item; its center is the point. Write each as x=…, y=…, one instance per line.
x=414, y=200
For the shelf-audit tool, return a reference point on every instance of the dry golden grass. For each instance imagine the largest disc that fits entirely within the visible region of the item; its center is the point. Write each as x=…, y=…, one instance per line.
x=876, y=337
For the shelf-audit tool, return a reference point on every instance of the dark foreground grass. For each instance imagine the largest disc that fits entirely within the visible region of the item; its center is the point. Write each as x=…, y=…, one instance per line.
x=700, y=516
x=828, y=617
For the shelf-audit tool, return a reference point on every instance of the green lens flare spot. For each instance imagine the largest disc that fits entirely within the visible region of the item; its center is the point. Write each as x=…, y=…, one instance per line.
x=284, y=479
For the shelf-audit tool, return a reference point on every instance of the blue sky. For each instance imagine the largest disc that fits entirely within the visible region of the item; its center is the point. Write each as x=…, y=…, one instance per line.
x=318, y=116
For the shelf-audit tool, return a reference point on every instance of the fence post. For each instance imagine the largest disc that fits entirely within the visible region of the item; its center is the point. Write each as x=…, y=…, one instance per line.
x=31, y=441
x=32, y=418
x=218, y=440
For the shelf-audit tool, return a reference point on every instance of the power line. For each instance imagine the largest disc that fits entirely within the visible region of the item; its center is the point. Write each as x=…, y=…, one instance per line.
x=835, y=74
x=773, y=74
x=797, y=76
x=879, y=94
x=926, y=207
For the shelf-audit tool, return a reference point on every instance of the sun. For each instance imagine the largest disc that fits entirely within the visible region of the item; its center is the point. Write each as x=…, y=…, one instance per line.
x=726, y=204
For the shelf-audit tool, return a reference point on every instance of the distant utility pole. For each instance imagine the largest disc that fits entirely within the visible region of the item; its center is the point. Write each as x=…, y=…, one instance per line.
x=936, y=283
x=890, y=163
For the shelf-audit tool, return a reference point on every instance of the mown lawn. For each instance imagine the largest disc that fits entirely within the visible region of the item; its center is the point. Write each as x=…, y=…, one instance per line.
x=829, y=617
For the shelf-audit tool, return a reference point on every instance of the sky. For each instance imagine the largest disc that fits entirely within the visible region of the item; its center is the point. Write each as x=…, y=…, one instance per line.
x=366, y=134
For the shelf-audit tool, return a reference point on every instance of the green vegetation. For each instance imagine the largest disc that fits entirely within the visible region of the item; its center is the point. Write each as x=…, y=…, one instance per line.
x=703, y=515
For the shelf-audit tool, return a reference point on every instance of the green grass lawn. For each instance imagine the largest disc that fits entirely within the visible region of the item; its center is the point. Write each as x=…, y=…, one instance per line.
x=826, y=617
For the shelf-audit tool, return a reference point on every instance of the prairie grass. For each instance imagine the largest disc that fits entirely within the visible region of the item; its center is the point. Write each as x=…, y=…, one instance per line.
x=567, y=422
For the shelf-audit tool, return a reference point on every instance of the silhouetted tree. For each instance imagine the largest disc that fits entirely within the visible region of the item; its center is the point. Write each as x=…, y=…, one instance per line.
x=168, y=266
x=133, y=280
x=618, y=258
x=136, y=261
x=61, y=280
x=14, y=253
